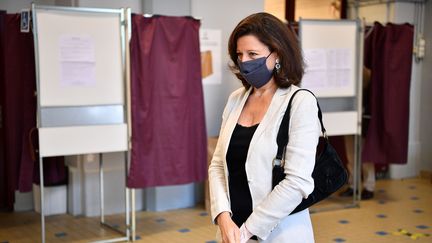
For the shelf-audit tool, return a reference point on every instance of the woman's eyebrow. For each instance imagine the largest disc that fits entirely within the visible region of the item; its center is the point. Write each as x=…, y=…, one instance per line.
x=249, y=50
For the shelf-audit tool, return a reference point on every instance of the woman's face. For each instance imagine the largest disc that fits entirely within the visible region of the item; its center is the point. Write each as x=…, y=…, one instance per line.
x=250, y=48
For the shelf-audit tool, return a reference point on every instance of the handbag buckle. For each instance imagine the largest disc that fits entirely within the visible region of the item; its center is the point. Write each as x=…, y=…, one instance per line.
x=277, y=162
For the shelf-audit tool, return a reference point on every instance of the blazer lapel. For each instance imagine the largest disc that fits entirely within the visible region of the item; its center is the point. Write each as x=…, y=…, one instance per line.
x=232, y=119
x=277, y=107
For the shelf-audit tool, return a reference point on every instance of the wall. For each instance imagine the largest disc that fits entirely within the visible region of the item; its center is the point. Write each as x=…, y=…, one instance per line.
x=425, y=108
x=381, y=13
x=135, y=5
x=223, y=15
x=275, y=7
x=315, y=9
x=167, y=7
x=13, y=6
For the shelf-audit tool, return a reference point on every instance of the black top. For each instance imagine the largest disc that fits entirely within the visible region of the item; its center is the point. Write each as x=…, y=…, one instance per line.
x=241, y=200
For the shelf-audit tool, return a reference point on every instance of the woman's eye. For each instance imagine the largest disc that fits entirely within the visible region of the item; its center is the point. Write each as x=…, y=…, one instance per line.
x=252, y=54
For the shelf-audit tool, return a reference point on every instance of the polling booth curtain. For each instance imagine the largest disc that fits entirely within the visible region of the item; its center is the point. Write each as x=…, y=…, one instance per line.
x=169, y=141
x=4, y=197
x=388, y=54
x=19, y=114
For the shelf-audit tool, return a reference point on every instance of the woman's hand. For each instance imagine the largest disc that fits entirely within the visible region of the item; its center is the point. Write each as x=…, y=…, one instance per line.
x=229, y=230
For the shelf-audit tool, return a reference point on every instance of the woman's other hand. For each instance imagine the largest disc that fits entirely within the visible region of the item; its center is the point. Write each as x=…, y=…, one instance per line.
x=229, y=230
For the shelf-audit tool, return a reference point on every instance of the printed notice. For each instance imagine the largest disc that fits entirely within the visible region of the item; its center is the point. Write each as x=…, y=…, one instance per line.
x=77, y=60
x=327, y=69
x=211, y=61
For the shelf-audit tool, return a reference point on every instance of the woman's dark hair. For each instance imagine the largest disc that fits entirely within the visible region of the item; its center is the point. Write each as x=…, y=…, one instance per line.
x=279, y=39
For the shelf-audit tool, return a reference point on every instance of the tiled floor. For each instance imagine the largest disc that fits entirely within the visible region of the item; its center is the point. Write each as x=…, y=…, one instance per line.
x=400, y=212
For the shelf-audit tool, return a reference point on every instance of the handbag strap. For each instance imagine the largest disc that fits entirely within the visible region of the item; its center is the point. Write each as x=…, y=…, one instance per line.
x=282, y=136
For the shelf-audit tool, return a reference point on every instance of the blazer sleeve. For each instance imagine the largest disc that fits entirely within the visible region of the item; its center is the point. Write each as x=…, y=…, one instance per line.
x=304, y=133
x=219, y=199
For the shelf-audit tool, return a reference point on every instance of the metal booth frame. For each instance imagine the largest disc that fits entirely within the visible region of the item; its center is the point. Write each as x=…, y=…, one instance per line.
x=125, y=32
x=358, y=108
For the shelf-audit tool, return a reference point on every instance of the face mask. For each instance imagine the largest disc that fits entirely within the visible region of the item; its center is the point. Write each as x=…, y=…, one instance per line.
x=256, y=72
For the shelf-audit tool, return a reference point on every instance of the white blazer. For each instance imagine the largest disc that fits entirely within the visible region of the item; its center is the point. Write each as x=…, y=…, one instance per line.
x=269, y=220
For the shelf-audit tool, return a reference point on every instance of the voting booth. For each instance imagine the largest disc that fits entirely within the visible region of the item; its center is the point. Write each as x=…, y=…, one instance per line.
x=82, y=89
x=333, y=53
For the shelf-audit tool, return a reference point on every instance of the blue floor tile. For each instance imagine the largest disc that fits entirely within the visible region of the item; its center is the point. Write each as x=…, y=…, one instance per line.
x=382, y=202
x=382, y=233
x=339, y=240
x=381, y=216
x=138, y=237
x=381, y=191
x=343, y=222
x=211, y=241
x=422, y=227
x=418, y=211
x=60, y=234
x=185, y=230
x=203, y=214
x=160, y=220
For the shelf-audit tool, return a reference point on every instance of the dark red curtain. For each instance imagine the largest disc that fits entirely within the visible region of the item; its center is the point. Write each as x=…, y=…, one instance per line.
x=388, y=54
x=18, y=86
x=290, y=10
x=169, y=141
x=4, y=196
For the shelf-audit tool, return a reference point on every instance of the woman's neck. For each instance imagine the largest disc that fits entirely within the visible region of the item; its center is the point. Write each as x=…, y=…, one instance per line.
x=268, y=89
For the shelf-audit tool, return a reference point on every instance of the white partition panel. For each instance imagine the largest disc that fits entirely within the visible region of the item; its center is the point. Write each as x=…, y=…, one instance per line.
x=80, y=60
x=56, y=141
x=340, y=123
x=330, y=52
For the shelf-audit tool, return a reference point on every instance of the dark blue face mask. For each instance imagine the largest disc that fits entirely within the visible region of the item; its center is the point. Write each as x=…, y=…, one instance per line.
x=255, y=71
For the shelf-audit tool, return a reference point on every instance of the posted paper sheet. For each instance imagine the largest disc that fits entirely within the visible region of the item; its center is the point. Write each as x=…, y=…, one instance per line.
x=77, y=60
x=211, y=61
x=327, y=68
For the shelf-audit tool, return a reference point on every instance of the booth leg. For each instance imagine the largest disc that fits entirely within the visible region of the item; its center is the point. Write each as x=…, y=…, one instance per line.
x=127, y=200
x=42, y=201
x=101, y=189
x=357, y=168
x=133, y=223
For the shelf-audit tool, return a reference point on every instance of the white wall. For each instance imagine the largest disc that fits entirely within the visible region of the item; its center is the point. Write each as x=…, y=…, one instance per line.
x=14, y=6
x=223, y=15
x=135, y=5
x=167, y=7
x=425, y=108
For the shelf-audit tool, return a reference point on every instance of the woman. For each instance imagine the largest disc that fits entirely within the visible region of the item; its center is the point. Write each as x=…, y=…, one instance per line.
x=267, y=59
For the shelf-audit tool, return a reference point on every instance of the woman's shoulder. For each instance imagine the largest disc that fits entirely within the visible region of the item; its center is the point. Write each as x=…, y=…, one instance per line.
x=301, y=97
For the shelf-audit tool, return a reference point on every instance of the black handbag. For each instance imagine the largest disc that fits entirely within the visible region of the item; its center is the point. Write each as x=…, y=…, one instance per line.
x=329, y=174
